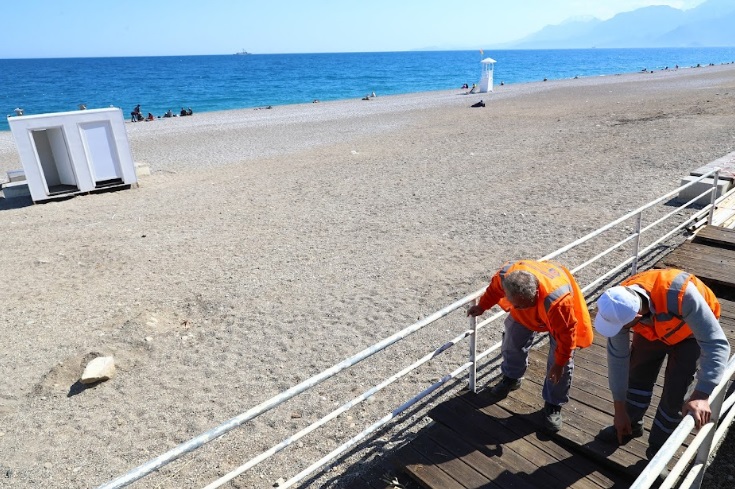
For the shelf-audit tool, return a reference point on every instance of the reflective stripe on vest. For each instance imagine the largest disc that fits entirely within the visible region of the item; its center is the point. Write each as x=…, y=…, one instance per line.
x=557, y=294
x=665, y=289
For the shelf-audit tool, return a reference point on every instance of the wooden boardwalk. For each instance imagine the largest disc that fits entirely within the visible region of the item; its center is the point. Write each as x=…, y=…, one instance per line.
x=476, y=441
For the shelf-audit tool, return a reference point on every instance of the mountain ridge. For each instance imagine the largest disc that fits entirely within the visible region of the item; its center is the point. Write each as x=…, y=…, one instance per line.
x=707, y=25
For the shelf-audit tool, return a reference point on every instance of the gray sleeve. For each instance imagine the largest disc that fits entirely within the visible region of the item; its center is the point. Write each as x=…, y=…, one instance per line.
x=708, y=333
x=618, y=364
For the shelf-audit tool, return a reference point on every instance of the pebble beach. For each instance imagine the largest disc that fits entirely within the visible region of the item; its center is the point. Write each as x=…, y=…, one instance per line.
x=270, y=244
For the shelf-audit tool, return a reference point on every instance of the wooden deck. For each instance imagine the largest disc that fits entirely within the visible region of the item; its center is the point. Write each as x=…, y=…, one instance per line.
x=478, y=442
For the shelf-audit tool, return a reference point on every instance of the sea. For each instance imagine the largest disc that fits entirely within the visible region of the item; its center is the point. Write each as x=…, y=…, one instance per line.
x=223, y=82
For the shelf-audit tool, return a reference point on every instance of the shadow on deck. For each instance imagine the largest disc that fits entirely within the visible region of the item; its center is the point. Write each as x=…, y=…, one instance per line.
x=477, y=441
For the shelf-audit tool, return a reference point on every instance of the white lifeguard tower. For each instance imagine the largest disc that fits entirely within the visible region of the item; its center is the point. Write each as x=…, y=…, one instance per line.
x=486, y=81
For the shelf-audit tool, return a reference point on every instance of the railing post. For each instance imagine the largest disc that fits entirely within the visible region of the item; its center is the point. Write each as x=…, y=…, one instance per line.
x=473, y=352
x=636, y=243
x=713, y=197
x=705, y=448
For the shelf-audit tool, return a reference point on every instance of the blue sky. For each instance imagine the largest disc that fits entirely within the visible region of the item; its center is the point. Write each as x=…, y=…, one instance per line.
x=82, y=28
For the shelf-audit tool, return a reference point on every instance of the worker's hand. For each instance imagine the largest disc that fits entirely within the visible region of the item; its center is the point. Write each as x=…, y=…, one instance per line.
x=698, y=407
x=622, y=424
x=475, y=310
x=555, y=373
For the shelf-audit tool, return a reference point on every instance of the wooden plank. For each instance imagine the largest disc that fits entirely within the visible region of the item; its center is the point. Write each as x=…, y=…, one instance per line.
x=478, y=456
x=717, y=267
x=454, y=465
x=509, y=432
x=715, y=236
x=421, y=469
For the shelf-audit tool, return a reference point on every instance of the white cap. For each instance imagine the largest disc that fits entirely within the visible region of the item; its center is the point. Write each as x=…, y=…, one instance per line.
x=616, y=307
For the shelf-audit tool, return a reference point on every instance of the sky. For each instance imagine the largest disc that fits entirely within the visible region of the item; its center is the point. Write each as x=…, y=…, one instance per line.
x=102, y=28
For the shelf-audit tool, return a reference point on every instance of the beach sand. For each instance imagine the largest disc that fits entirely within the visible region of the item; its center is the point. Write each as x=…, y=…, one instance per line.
x=268, y=245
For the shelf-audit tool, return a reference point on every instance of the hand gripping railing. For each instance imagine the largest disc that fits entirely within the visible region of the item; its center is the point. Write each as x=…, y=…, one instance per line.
x=471, y=365
x=700, y=447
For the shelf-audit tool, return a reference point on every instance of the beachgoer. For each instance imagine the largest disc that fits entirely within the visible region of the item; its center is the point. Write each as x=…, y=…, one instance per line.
x=540, y=296
x=135, y=114
x=150, y=117
x=671, y=313
x=82, y=107
x=168, y=113
x=189, y=111
x=18, y=111
x=182, y=113
x=478, y=104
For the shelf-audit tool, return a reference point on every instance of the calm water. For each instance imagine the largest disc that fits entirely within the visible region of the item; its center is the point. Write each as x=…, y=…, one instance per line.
x=207, y=83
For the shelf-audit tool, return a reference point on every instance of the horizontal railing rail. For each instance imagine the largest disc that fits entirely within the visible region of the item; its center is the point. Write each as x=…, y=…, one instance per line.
x=704, y=439
x=471, y=365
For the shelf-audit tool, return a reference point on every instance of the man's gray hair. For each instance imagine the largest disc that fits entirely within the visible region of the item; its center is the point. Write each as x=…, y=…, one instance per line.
x=520, y=285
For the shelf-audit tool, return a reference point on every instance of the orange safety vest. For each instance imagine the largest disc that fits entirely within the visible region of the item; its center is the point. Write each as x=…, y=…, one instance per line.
x=554, y=283
x=666, y=291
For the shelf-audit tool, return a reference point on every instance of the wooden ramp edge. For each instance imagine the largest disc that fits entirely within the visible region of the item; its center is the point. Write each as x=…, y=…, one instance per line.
x=476, y=441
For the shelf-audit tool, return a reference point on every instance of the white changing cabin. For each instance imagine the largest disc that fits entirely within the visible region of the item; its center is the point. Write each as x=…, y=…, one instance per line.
x=67, y=153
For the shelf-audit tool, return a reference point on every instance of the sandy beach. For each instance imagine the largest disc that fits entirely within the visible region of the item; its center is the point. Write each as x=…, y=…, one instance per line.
x=268, y=245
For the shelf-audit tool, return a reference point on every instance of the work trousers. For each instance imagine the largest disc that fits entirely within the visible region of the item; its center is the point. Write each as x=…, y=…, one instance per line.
x=646, y=358
x=517, y=341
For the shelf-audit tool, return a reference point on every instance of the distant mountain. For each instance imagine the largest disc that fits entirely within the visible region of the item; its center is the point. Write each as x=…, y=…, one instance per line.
x=709, y=24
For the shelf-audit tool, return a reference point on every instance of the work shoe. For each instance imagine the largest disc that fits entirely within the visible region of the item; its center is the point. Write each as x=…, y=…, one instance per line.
x=552, y=417
x=503, y=388
x=610, y=435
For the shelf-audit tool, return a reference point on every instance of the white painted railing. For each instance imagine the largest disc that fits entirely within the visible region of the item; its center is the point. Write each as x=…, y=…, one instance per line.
x=634, y=239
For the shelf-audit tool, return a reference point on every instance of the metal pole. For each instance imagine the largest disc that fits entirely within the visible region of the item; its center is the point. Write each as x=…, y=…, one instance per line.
x=713, y=197
x=636, y=243
x=473, y=352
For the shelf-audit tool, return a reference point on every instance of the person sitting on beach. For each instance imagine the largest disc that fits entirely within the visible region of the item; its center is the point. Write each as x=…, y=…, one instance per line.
x=189, y=111
x=168, y=114
x=182, y=113
x=465, y=86
x=372, y=95
x=150, y=117
x=478, y=104
x=366, y=97
x=18, y=111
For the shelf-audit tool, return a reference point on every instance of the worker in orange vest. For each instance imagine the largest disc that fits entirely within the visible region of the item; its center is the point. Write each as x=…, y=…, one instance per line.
x=540, y=297
x=671, y=313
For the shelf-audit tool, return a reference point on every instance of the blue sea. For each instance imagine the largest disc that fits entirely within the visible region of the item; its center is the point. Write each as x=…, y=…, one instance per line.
x=209, y=83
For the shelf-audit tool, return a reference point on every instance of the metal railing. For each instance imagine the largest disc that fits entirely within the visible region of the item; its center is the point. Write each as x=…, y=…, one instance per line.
x=632, y=260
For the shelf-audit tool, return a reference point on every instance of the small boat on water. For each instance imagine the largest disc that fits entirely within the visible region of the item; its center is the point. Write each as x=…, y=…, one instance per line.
x=242, y=53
